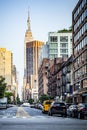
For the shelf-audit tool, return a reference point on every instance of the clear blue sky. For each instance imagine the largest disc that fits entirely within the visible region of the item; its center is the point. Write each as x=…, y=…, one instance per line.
x=45, y=15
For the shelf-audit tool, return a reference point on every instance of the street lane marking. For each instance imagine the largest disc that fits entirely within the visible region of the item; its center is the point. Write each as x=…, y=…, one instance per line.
x=21, y=113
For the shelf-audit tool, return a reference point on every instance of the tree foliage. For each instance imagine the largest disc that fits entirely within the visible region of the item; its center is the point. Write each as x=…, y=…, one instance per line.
x=2, y=86
x=44, y=97
x=31, y=101
x=18, y=99
x=8, y=95
x=65, y=30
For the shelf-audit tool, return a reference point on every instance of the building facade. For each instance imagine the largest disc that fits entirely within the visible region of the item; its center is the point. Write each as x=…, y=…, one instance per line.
x=79, y=24
x=42, y=77
x=42, y=70
x=8, y=71
x=60, y=44
x=67, y=80
x=43, y=53
x=54, y=77
x=28, y=38
x=6, y=66
x=31, y=54
x=14, y=83
x=60, y=79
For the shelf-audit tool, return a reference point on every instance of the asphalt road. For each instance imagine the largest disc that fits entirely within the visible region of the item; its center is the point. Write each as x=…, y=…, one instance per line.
x=33, y=119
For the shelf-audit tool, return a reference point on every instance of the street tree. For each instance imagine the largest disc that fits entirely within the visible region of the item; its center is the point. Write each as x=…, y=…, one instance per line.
x=18, y=99
x=44, y=97
x=31, y=101
x=8, y=95
x=2, y=86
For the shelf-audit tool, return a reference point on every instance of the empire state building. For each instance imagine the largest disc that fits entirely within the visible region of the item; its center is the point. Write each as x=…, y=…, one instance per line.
x=28, y=38
x=31, y=53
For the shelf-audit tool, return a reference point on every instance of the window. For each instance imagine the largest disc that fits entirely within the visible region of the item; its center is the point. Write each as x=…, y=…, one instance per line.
x=85, y=83
x=52, y=56
x=64, y=45
x=53, y=38
x=53, y=51
x=64, y=50
x=63, y=38
x=53, y=45
x=64, y=55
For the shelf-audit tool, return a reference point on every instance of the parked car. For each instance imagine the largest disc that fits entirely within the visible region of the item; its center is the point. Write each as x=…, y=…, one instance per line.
x=38, y=106
x=25, y=104
x=46, y=105
x=68, y=105
x=3, y=103
x=82, y=110
x=72, y=111
x=57, y=108
x=10, y=105
x=32, y=105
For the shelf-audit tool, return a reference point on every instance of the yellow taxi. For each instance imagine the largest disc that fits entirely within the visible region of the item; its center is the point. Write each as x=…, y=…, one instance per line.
x=46, y=105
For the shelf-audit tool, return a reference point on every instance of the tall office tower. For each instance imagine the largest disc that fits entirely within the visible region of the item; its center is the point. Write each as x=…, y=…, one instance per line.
x=31, y=54
x=79, y=22
x=60, y=44
x=28, y=38
x=6, y=66
x=43, y=54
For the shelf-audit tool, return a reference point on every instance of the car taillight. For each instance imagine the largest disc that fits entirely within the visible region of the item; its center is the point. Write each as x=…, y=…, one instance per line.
x=63, y=106
x=84, y=109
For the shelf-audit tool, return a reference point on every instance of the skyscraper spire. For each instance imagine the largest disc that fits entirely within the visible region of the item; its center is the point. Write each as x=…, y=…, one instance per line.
x=28, y=34
x=28, y=21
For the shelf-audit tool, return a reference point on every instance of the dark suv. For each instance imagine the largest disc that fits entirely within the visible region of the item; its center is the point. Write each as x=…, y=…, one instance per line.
x=57, y=108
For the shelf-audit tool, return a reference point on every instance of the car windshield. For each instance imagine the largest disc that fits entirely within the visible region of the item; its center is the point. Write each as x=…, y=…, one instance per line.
x=82, y=105
x=59, y=104
x=48, y=102
x=85, y=105
x=74, y=106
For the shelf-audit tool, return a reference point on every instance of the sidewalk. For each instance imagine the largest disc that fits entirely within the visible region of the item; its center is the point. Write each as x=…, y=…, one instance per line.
x=21, y=113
